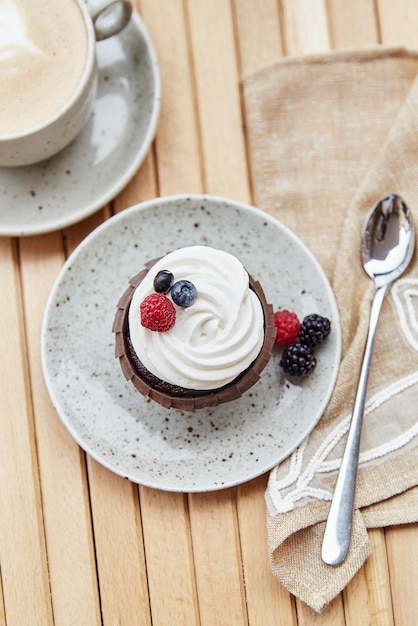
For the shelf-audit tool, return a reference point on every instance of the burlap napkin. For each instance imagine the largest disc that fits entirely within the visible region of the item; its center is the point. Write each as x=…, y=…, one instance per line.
x=328, y=136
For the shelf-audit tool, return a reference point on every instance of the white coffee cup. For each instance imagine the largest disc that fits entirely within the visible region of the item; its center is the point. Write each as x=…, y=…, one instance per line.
x=48, y=72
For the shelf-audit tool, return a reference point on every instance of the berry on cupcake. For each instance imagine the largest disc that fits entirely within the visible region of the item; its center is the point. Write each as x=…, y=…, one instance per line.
x=157, y=312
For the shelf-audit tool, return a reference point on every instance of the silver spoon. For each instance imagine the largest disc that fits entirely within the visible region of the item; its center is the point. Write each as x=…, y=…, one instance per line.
x=387, y=246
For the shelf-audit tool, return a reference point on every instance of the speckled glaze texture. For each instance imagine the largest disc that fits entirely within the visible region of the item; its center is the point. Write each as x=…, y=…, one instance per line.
x=212, y=448
x=113, y=143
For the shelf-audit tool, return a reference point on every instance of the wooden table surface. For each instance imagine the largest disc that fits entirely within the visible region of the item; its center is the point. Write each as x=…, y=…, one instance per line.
x=79, y=545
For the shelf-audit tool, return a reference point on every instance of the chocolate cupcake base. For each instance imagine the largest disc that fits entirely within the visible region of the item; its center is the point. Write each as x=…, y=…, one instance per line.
x=173, y=396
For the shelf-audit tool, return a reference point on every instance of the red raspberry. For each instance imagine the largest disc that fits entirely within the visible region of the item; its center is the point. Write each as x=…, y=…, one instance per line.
x=157, y=312
x=287, y=327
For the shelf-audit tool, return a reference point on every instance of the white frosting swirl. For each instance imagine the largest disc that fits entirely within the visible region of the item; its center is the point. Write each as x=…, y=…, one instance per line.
x=213, y=340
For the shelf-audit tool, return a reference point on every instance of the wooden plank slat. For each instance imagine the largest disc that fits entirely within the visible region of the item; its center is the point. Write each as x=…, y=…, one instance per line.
x=368, y=594
x=177, y=140
x=22, y=541
x=169, y=556
x=2, y=614
x=332, y=615
x=216, y=550
x=267, y=600
x=142, y=187
x=119, y=548
x=218, y=98
x=402, y=548
x=61, y=463
x=397, y=22
x=259, y=35
x=352, y=23
x=305, y=26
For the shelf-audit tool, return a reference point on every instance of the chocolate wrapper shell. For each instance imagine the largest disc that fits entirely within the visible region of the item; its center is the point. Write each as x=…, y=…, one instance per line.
x=191, y=400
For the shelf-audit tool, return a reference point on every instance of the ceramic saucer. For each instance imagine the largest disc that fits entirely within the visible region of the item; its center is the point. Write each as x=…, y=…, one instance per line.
x=107, y=153
x=137, y=438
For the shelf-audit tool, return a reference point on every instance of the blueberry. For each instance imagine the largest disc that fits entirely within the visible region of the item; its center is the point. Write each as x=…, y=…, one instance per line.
x=163, y=281
x=183, y=293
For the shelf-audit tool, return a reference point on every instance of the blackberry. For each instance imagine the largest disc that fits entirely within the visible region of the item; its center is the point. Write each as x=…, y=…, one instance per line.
x=298, y=360
x=183, y=293
x=314, y=330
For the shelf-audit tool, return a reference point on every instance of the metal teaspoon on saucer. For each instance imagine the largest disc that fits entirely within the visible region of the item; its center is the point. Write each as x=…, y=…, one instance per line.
x=387, y=246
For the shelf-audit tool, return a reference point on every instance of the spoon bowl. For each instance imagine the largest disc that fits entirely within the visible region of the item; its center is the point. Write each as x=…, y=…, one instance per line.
x=387, y=247
x=387, y=239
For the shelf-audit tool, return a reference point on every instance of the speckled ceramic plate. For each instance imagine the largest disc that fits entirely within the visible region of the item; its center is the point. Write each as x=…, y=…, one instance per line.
x=107, y=153
x=138, y=439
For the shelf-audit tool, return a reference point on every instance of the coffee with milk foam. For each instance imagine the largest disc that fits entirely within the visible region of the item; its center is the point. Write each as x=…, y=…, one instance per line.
x=43, y=51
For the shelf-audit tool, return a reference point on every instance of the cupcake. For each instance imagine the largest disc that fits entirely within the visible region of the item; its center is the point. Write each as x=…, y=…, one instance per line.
x=193, y=329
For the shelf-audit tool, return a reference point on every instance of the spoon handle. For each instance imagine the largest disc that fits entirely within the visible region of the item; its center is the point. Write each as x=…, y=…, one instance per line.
x=337, y=534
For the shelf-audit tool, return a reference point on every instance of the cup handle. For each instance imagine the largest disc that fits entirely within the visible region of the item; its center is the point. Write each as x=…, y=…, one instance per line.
x=109, y=17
